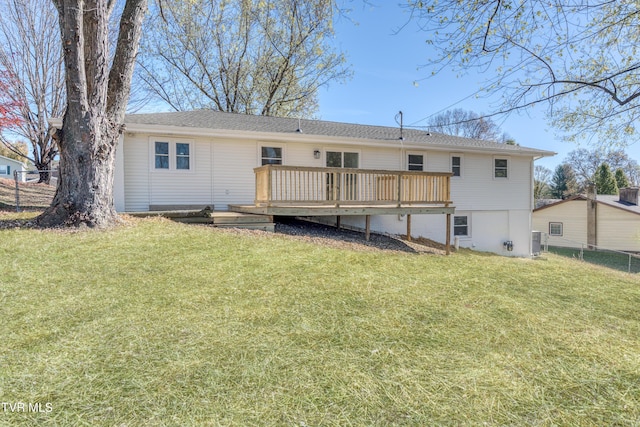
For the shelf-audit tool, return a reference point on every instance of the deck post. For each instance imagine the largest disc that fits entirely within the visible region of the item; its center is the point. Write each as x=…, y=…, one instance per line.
x=338, y=218
x=448, y=238
x=399, y=176
x=367, y=227
x=408, y=227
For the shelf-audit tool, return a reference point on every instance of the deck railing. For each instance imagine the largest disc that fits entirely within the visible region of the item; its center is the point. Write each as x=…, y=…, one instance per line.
x=278, y=185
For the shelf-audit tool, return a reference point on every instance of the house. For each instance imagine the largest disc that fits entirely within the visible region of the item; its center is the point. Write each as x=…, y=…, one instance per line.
x=9, y=166
x=399, y=181
x=611, y=222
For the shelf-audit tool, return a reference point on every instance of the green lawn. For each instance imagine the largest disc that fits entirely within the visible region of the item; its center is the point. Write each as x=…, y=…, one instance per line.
x=615, y=260
x=156, y=323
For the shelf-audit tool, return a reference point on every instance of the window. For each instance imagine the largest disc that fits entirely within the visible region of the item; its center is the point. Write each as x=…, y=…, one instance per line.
x=500, y=168
x=346, y=185
x=271, y=156
x=461, y=226
x=162, y=155
x=456, y=165
x=337, y=159
x=182, y=156
x=555, y=229
x=171, y=155
x=350, y=160
x=4, y=170
x=415, y=162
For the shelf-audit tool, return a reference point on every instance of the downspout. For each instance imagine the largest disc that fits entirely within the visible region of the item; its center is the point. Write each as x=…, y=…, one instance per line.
x=592, y=216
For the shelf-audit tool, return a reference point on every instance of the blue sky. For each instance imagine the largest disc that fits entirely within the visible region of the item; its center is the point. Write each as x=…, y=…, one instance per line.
x=385, y=65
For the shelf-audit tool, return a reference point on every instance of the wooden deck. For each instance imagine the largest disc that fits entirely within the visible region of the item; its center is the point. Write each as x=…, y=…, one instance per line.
x=308, y=187
x=319, y=210
x=313, y=191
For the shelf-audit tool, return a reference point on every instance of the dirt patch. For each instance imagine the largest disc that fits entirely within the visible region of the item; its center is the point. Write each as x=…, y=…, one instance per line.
x=346, y=239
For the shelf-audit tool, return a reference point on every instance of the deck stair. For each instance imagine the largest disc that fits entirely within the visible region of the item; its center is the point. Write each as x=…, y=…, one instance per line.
x=221, y=219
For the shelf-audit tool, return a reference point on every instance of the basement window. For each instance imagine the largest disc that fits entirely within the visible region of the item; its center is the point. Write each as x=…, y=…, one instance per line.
x=461, y=226
x=555, y=229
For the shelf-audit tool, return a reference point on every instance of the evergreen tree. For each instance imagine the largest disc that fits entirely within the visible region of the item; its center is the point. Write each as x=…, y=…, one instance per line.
x=621, y=179
x=605, y=181
x=563, y=182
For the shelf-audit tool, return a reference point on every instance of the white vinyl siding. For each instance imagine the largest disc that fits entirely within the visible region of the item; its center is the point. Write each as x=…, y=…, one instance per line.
x=480, y=191
x=179, y=186
x=136, y=173
x=233, y=177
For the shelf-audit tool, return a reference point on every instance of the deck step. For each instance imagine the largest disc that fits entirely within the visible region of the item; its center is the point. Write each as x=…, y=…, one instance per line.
x=224, y=219
x=240, y=218
x=271, y=227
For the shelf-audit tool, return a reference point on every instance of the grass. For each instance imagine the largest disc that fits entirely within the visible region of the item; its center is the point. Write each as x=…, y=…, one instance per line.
x=162, y=324
x=614, y=260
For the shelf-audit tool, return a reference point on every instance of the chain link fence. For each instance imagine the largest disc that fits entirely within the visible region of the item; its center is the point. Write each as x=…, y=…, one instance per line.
x=27, y=192
x=619, y=260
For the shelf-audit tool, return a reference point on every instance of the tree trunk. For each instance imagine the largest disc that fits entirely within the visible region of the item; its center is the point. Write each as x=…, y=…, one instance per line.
x=85, y=188
x=96, y=101
x=44, y=172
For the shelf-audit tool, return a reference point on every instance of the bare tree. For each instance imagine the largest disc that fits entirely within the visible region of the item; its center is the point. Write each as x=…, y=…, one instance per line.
x=266, y=57
x=585, y=164
x=541, y=182
x=31, y=54
x=467, y=124
x=97, y=91
x=578, y=57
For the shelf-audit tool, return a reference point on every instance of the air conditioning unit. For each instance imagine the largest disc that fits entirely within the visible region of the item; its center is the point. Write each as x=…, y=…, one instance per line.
x=536, y=242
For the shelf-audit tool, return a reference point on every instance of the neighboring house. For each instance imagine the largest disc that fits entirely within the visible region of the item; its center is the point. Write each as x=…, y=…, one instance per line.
x=199, y=158
x=611, y=222
x=9, y=166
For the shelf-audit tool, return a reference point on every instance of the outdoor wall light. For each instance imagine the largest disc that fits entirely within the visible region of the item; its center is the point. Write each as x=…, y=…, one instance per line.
x=316, y=154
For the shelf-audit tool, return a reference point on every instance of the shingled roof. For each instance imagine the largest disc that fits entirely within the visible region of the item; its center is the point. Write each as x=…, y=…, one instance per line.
x=209, y=119
x=613, y=201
